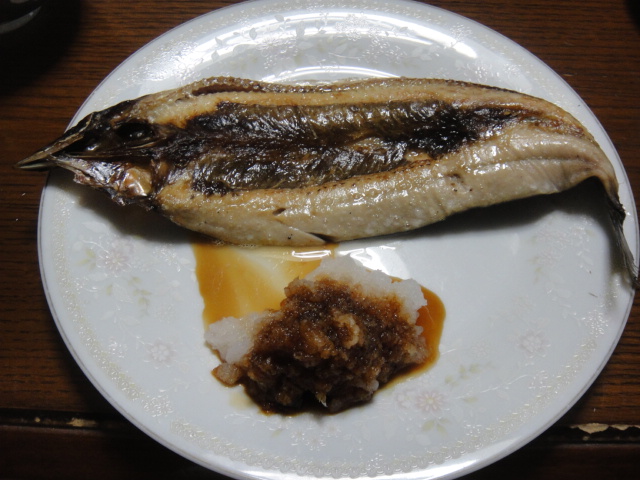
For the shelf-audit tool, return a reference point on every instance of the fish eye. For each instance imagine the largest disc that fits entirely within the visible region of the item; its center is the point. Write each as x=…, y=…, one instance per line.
x=134, y=131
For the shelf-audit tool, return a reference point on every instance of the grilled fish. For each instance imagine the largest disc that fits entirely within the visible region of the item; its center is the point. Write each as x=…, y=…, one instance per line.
x=252, y=162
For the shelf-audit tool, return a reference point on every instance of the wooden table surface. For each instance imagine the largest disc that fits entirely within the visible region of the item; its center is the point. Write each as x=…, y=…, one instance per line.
x=53, y=422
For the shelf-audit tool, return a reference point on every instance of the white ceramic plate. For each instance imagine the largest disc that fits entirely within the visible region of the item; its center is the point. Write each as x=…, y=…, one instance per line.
x=533, y=310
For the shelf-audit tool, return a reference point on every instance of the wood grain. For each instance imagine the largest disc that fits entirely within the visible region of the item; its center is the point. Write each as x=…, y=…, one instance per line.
x=45, y=75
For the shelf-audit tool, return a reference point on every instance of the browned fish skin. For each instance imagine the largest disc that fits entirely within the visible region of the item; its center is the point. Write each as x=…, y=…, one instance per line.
x=261, y=163
x=258, y=147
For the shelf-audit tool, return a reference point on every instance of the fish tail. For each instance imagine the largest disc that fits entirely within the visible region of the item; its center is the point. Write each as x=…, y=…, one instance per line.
x=625, y=259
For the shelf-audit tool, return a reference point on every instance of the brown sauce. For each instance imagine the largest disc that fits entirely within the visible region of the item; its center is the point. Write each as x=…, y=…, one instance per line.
x=431, y=319
x=235, y=281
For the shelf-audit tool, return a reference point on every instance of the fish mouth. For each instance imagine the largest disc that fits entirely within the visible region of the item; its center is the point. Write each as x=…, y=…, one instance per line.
x=47, y=157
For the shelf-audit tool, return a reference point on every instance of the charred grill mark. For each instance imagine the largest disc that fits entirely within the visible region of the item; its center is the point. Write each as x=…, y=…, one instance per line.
x=255, y=167
x=263, y=146
x=445, y=125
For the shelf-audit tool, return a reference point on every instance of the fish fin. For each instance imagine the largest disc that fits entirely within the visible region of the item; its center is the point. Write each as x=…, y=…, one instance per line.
x=626, y=260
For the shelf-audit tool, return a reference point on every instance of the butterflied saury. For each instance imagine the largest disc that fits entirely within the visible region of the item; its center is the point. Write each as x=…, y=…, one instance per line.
x=250, y=162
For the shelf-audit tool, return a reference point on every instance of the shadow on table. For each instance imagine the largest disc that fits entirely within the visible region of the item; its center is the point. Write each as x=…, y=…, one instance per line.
x=29, y=50
x=633, y=7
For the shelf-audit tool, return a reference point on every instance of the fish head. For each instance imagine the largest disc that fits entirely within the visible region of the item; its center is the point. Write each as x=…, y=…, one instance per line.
x=111, y=150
